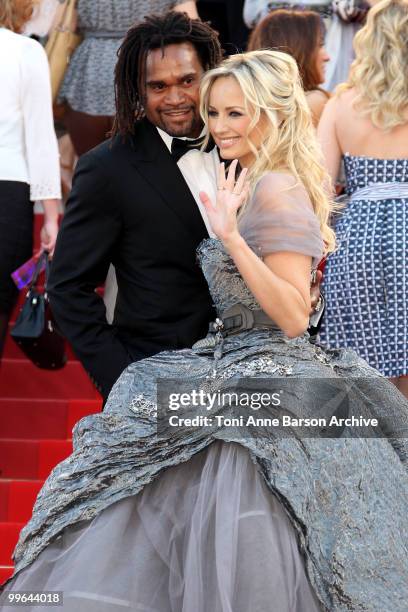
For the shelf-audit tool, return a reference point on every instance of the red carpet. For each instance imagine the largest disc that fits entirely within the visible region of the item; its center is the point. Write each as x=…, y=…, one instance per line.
x=38, y=410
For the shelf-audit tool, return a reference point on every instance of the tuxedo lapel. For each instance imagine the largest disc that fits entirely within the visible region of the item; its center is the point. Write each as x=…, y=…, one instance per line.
x=157, y=166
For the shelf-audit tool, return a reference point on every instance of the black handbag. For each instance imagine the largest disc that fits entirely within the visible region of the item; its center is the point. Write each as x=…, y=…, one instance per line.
x=315, y=321
x=35, y=331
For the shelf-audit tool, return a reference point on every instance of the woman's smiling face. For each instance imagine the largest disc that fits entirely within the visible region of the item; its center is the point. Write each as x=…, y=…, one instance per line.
x=229, y=122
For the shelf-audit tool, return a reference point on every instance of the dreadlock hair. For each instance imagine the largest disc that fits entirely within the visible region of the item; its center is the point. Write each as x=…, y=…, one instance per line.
x=155, y=32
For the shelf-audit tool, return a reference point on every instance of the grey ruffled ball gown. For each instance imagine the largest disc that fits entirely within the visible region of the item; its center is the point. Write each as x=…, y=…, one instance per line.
x=211, y=521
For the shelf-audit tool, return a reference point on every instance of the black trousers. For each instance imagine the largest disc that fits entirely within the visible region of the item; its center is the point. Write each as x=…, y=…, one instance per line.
x=16, y=243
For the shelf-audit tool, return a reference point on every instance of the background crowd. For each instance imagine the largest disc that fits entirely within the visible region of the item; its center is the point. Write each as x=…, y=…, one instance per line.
x=362, y=127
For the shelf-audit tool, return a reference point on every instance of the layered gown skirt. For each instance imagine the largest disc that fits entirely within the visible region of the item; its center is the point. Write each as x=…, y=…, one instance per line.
x=211, y=521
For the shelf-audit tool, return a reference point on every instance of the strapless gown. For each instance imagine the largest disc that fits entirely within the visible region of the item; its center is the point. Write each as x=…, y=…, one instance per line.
x=206, y=519
x=365, y=280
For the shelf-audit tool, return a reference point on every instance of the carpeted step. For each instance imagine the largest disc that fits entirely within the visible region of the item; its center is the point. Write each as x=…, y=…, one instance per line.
x=9, y=533
x=50, y=453
x=19, y=459
x=78, y=409
x=20, y=496
x=33, y=419
x=38, y=419
x=38, y=410
x=31, y=459
x=22, y=379
x=5, y=572
x=4, y=499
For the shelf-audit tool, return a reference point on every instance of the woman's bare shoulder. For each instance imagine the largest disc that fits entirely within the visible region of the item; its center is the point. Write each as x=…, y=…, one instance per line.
x=339, y=105
x=344, y=99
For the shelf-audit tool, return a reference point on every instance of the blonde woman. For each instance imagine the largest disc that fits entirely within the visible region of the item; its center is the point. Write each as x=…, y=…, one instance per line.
x=367, y=124
x=154, y=512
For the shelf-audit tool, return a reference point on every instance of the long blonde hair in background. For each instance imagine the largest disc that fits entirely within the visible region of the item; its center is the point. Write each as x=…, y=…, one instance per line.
x=379, y=73
x=271, y=86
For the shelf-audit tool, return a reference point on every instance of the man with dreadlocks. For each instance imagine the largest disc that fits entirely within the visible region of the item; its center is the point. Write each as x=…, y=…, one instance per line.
x=135, y=203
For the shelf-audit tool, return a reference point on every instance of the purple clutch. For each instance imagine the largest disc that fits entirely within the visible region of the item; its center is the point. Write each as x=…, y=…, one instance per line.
x=23, y=276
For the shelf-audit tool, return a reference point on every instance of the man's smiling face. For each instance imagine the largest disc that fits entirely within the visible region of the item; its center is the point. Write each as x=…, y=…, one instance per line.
x=172, y=90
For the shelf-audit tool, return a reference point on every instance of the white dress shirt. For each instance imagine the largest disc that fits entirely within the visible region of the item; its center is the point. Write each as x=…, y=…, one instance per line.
x=200, y=171
x=28, y=144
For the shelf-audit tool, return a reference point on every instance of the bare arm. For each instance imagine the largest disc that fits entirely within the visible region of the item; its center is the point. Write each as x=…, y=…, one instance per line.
x=327, y=137
x=189, y=7
x=49, y=230
x=280, y=284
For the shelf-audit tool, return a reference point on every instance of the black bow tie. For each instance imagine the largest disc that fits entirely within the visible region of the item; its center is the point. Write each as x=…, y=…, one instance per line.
x=180, y=147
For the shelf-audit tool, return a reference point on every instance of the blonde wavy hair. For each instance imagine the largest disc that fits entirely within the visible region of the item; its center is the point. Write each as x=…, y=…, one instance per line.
x=379, y=74
x=15, y=13
x=272, y=88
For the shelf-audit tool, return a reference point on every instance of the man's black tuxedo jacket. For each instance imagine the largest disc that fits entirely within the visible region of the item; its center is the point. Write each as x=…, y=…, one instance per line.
x=131, y=206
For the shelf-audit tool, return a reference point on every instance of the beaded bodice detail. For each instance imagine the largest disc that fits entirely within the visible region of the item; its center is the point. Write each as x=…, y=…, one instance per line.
x=227, y=287
x=365, y=171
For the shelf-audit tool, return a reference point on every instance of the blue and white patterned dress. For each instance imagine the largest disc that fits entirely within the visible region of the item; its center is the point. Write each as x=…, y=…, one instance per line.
x=366, y=279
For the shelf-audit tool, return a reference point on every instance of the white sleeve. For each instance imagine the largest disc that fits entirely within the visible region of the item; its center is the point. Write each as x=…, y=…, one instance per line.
x=40, y=140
